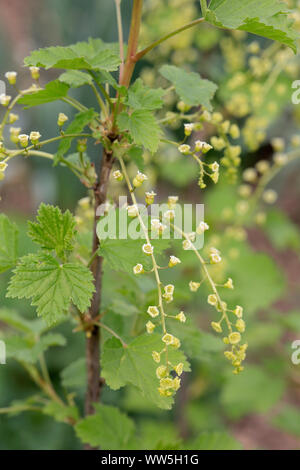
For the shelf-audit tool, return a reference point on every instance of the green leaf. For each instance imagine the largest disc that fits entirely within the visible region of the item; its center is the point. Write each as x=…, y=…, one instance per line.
x=268, y=18
x=80, y=121
x=91, y=55
x=60, y=412
x=74, y=375
x=28, y=349
x=75, y=78
x=123, y=255
x=51, y=286
x=53, y=230
x=134, y=364
x=108, y=428
x=190, y=87
x=253, y=391
x=135, y=154
x=214, y=441
x=141, y=96
x=53, y=91
x=8, y=243
x=142, y=127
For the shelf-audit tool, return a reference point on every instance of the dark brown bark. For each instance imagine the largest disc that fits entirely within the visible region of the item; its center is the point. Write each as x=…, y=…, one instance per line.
x=93, y=340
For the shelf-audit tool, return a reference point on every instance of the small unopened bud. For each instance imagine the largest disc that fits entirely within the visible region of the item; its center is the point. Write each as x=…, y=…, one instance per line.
x=5, y=99
x=11, y=77
x=12, y=118
x=149, y=197
x=35, y=72
x=188, y=129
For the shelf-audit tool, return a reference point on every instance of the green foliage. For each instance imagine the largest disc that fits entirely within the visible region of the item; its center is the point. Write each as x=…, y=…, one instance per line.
x=29, y=348
x=60, y=412
x=91, y=55
x=107, y=428
x=80, y=121
x=190, y=87
x=143, y=97
x=142, y=127
x=8, y=243
x=53, y=91
x=214, y=441
x=134, y=364
x=54, y=230
x=51, y=285
x=266, y=18
x=75, y=78
x=252, y=391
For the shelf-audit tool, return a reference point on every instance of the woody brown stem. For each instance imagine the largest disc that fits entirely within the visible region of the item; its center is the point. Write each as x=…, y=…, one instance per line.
x=132, y=42
x=93, y=339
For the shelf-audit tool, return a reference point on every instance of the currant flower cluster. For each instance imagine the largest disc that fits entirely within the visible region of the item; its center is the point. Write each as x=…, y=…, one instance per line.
x=22, y=141
x=167, y=372
x=224, y=131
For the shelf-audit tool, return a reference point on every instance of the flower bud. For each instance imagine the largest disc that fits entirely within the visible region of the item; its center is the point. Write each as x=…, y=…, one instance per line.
x=23, y=140
x=12, y=118
x=212, y=299
x=194, y=286
x=149, y=197
x=188, y=129
x=35, y=72
x=179, y=368
x=150, y=327
x=173, y=261
x=153, y=311
x=62, y=118
x=156, y=356
x=11, y=77
x=181, y=317
x=138, y=269
x=34, y=137
x=132, y=211
x=148, y=249
x=118, y=175
x=184, y=149
x=139, y=179
x=172, y=201
x=234, y=338
x=5, y=99
x=216, y=326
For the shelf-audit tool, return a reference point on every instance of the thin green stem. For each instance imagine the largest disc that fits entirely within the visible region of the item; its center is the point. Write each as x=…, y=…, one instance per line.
x=112, y=332
x=207, y=274
x=145, y=51
x=26, y=150
x=99, y=99
x=203, y=4
x=75, y=103
x=120, y=35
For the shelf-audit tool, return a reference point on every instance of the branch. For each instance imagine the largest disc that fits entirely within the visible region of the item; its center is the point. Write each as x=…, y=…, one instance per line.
x=93, y=338
x=132, y=42
x=145, y=51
